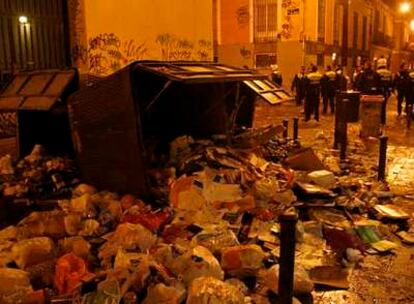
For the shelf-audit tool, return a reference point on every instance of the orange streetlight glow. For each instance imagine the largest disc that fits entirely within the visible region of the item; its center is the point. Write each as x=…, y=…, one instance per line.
x=23, y=19
x=405, y=7
x=412, y=24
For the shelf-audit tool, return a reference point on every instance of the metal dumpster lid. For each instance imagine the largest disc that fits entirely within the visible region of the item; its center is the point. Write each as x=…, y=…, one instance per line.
x=198, y=71
x=203, y=72
x=38, y=90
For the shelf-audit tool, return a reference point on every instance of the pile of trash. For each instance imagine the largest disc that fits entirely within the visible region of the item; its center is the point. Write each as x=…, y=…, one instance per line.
x=216, y=240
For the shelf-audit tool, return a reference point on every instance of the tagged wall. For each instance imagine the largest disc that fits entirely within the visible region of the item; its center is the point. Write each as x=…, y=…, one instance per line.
x=291, y=19
x=110, y=34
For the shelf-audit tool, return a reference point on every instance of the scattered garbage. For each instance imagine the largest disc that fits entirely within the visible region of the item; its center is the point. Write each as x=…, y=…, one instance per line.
x=209, y=231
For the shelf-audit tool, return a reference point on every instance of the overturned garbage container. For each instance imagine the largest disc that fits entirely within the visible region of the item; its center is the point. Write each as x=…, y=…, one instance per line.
x=370, y=115
x=120, y=124
x=38, y=101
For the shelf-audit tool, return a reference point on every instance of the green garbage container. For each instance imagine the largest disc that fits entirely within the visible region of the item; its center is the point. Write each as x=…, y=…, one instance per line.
x=370, y=115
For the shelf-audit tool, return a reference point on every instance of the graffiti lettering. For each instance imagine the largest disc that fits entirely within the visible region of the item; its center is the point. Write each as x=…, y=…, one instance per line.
x=242, y=15
x=245, y=53
x=289, y=8
x=106, y=53
x=174, y=48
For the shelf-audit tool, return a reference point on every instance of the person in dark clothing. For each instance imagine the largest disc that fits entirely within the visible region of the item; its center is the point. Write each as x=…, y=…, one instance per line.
x=341, y=81
x=298, y=86
x=410, y=93
x=355, y=76
x=312, y=94
x=276, y=75
x=385, y=87
x=401, y=83
x=368, y=83
x=328, y=89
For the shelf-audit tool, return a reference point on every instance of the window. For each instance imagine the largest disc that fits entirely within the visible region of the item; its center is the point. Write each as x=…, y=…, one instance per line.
x=321, y=20
x=265, y=60
x=265, y=20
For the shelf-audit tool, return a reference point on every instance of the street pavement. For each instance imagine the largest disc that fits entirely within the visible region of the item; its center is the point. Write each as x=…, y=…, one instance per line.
x=380, y=279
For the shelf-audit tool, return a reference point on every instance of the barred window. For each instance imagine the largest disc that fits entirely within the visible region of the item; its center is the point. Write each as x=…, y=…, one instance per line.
x=265, y=20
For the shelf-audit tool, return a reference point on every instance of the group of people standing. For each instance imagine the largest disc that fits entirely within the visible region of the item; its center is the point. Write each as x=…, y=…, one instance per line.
x=309, y=86
x=382, y=82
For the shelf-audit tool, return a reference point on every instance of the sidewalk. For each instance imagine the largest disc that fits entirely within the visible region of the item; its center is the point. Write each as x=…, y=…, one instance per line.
x=381, y=279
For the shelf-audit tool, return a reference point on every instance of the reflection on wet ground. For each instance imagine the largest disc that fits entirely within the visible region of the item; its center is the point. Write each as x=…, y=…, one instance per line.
x=379, y=279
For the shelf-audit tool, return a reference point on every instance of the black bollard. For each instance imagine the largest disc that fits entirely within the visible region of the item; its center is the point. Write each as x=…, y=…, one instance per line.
x=344, y=140
x=288, y=222
x=409, y=113
x=286, y=125
x=295, y=128
x=382, y=160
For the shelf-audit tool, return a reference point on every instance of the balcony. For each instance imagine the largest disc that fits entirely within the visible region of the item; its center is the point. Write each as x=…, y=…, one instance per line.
x=383, y=40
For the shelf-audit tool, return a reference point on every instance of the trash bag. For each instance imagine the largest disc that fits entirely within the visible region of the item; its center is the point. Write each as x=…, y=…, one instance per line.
x=197, y=262
x=128, y=260
x=33, y=251
x=153, y=221
x=89, y=228
x=162, y=294
x=213, y=291
x=127, y=236
x=266, y=188
x=108, y=293
x=47, y=223
x=215, y=240
x=73, y=223
x=6, y=167
x=242, y=260
x=84, y=189
x=301, y=283
x=76, y=245
x=14, y=285
x=70, y=271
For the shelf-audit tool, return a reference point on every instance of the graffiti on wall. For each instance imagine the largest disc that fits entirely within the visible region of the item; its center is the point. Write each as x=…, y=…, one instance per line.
x=77, y=24
x=290, y=9
x=205, y=48
x=173, y=48
x=242, y=15
x=245, y=52
x=107, y=53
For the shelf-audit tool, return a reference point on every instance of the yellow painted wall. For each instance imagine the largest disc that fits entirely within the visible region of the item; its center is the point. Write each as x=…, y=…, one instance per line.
x=290, y=19
x=121, y=31
x=235, y=19
x=311, y=19
x=290, y=59
x=237, y=54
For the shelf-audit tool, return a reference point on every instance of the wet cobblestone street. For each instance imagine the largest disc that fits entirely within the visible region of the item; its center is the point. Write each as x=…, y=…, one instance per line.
x=381, y=279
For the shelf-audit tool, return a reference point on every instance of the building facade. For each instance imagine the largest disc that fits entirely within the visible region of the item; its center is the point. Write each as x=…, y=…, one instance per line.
x=106, y=35
x=291, y=33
